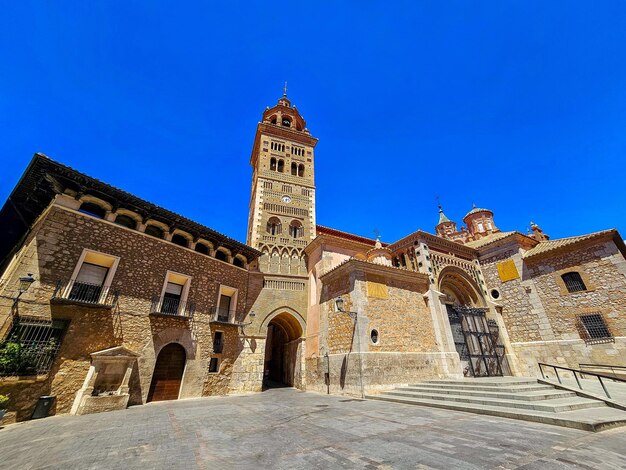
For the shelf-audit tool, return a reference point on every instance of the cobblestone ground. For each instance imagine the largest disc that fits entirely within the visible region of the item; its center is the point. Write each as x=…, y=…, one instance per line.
x=285, y=428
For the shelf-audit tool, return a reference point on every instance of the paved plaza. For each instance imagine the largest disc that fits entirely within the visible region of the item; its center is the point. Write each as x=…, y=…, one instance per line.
x=286, y=428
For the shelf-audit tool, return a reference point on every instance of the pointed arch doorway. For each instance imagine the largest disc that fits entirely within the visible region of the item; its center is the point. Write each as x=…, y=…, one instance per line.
x=282, y=351
x=168, y=373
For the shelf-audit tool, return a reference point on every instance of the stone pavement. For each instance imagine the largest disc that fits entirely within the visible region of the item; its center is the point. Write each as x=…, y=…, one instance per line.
x=286, y=429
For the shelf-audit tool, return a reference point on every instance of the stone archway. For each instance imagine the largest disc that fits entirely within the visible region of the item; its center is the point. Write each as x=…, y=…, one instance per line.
x=283, y=351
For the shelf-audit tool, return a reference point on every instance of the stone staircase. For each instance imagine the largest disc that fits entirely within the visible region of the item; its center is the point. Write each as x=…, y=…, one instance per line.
x=510, y=397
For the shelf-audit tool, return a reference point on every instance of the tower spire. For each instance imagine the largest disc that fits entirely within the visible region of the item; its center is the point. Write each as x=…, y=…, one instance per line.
x=285, y=90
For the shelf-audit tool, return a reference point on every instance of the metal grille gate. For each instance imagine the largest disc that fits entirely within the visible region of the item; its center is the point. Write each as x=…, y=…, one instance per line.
x=477, y=341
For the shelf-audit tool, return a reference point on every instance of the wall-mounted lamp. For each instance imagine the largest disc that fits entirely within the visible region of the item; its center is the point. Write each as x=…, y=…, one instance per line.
x=25, y=282
x=339, y=304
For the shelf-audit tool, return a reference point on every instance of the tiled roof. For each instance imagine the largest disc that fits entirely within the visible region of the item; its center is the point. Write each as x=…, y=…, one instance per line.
x=550, y=245
x=491, y=238
x=442, y=217
x=346, y=235
x=475, y=210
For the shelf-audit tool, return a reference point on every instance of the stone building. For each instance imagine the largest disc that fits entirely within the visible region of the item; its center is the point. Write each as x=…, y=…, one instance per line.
x=130, y=303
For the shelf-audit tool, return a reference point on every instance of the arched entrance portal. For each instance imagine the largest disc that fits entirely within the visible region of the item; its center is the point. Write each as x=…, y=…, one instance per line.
x=476, y=339
x=168, y=373
x=282, y=351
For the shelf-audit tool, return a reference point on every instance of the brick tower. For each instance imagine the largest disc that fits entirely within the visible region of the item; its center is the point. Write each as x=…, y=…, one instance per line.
x=282, y=205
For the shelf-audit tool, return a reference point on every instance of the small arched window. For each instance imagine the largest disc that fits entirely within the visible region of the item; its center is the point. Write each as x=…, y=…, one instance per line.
x=179, y=240
x=202, y=248
x=281, y=166
x=294, y=169
x=273, y=121
x=286, y=122
x=301, y=170
x=126, y=221
x=273, y=164
x=154, y=231
x=274, y=226
x=574, y=282
x=219, y=254
x=296, y=230
x=239, y=262
x=92, y=209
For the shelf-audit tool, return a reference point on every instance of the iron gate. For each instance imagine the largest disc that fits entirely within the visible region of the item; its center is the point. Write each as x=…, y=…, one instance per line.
x=477, y=341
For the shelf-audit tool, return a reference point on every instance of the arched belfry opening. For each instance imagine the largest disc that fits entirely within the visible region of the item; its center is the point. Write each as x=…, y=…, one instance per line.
x=476, y=337
x=282, y=351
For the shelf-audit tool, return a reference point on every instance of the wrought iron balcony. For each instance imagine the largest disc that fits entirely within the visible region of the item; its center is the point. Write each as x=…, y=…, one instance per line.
x=162, y=305
x=84, y=293
x=221, y=315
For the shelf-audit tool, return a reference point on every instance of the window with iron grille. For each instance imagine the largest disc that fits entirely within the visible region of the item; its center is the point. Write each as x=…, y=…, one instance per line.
x=31, y=346
x=594, y=327
x=214, y=365
x=218, y=342
x=573, y=282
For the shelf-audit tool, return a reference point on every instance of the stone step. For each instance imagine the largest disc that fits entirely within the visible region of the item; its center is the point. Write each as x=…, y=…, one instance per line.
x=469, y=386
x=596, y=419
x=553, y=405
x=542, y=394
x=487, y=381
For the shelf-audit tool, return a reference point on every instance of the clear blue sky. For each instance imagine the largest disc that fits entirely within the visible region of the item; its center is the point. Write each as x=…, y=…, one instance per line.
x=518, y=106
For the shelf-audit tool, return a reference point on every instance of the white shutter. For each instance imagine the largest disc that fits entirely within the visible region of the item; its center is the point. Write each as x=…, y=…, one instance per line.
x=92, y=274
x=174, y=289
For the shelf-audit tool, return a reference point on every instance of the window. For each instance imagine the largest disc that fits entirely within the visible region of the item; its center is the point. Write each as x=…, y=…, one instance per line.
x=126, y=221
x=218, y=342
x=92, y=209
x=154, y=231
x=374, y=336
x=239, y=262
x=267, y=184
x=173, y=299
x=294, y=169
x=180, y=240
x=202, y=248
x=480, y=227
x=281, y=166
x=495, y=294
x=286, y=122
x=92, y=277
x=296, y=230
x=214, y=365
x=273, y=164
x=274, y=226
x=38, y=342
x=573, y=282
x=226, y=304
x=300, y=170
x=594, y=327
x=221, y=255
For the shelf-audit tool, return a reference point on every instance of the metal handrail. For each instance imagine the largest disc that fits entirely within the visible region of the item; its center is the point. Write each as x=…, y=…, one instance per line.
x=85, y=293
x=582, y=373
x=162, y=305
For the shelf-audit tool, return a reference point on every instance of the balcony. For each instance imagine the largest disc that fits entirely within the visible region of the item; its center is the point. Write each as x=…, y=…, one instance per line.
x=172, y=307
x=83, y=293
x=221, y=315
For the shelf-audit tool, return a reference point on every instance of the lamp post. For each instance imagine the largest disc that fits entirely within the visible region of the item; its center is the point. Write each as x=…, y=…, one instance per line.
x=339, y=304
x=24, y=284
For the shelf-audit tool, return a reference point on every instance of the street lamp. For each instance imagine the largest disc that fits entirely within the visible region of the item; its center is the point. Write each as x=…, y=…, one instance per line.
x=25, y=282
x=339, y=305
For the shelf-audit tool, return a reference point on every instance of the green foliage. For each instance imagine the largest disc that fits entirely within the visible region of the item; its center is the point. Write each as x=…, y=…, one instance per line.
x=4, y=400
x=15, y=359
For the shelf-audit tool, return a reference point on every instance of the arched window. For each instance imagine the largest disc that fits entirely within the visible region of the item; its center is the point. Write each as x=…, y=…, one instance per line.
x=154, y=231
x=274, y=226
x=301, y=170
x=273, y=164
x=92, y=209
x=178, y=239
x=239, y=262
x=282, y=148
x=219, y=254
x=126, y=221
x=281, y=165
x=286, y=122
x=273, y=121
x=202, y=248
x=296, y=230
x=294, y=169
x=573, y=282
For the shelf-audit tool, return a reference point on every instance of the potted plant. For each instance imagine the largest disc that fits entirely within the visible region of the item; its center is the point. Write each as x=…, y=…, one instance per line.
x=4, y=400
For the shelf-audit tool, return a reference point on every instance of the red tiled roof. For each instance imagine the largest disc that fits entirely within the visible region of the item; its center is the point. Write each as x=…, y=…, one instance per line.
x=346, y=235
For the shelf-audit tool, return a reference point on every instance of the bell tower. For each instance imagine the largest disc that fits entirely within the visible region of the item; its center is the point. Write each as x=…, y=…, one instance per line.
x=282, y=205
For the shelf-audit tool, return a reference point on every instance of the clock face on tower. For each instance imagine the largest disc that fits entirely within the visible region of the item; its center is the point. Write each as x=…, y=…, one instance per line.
x=286, y=199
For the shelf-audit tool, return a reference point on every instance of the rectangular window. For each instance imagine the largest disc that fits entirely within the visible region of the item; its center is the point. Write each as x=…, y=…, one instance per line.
x=174, y=296
x=226, y=304
x=214, y=365
x=595, y=327
x=38, y=342
x=218, y=342
x=92, y=278
x=574, y=282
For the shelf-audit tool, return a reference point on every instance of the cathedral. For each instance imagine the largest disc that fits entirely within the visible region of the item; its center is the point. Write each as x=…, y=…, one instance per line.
x=113, y=301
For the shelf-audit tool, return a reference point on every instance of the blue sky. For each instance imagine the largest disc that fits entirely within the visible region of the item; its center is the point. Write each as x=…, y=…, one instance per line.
x=517, y=106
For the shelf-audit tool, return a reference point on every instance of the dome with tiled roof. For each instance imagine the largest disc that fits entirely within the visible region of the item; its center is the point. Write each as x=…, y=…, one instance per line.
x=476, y=210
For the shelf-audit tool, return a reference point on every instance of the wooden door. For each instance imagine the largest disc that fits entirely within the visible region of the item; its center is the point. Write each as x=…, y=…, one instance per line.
x=168, y=373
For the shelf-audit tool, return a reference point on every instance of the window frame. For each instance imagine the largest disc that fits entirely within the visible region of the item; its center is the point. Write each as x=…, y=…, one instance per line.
x=108, y=280
x=231, y=292
x=571, y=283
x=172, y=277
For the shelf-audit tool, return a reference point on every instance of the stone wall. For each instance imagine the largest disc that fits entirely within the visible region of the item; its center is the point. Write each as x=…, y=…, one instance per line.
x=51, y=253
